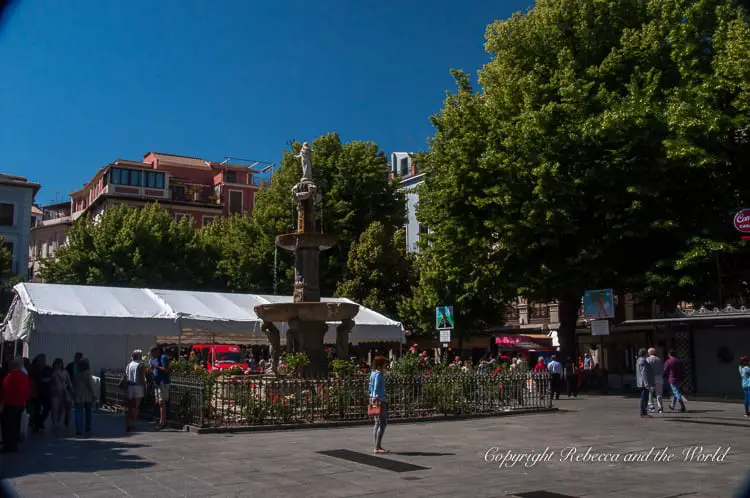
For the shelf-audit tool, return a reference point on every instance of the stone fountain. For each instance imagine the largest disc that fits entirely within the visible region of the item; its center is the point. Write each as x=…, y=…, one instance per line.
x=306, y=315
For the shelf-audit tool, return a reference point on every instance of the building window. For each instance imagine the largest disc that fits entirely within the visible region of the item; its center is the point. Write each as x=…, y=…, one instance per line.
x=235, y=202
x=178, y=193
x=7, y=212
x=115, y=176
x=135, y=178
x=153, y=179
x=423, y=229
x=207, y=220
x=404, y=166
x=230, y=177
x=179, y=217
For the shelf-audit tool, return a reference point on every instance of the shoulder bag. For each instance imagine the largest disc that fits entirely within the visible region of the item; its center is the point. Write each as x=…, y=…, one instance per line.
x=374, y=408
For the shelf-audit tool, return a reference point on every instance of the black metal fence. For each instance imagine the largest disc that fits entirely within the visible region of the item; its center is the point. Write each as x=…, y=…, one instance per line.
x=234, y=401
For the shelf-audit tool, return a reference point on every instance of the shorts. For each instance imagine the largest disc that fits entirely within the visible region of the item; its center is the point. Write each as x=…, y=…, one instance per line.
x=135, y=392
x=162, y=393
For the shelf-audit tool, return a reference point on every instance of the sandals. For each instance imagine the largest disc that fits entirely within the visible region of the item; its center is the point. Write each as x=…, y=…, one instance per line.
x=380, y=451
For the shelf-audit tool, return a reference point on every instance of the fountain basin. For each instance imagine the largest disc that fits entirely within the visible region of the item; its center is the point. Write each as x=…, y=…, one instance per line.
x=320, y=241
x=306, y=312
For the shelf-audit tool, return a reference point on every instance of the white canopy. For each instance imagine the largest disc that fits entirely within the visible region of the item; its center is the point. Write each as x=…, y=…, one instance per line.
x=42, y=309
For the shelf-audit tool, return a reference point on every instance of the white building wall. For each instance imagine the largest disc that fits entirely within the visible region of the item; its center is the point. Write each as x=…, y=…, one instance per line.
x=18, y=234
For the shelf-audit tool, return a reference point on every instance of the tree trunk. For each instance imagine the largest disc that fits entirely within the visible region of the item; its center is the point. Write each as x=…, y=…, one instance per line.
x=568, y=308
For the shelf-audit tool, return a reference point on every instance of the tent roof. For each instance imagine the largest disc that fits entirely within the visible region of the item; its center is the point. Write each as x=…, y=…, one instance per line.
x=61, y=309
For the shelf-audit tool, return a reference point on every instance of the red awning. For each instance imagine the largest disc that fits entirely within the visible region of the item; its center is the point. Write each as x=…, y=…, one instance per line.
x=523, y=342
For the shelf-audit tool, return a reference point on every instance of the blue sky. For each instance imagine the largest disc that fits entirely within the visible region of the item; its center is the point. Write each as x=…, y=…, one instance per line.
x=89, y=81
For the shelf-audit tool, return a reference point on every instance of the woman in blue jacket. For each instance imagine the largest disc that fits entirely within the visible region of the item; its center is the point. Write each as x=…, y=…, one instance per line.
x=377, y=396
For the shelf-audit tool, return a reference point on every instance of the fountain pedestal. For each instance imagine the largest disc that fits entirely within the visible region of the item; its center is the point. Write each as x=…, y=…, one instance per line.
x=307, y=317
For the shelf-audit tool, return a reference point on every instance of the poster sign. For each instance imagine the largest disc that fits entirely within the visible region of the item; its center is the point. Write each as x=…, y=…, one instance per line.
x=445, y=336
x=600, y=327
x=444, y=317
x=742, y=221
x=598, y=304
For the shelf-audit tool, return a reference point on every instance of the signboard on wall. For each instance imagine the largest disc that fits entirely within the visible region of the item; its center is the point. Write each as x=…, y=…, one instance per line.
x=600, y=327
x=742, y=221
x=598, y=304
x=444, y=317
x=445, y=336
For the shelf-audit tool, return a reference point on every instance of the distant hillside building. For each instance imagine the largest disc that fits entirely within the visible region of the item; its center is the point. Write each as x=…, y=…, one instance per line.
x=48, y=233
x=16, y=199
x=404, y=168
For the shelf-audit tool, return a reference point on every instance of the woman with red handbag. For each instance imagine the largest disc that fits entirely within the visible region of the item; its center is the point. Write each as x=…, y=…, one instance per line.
x=377, y=407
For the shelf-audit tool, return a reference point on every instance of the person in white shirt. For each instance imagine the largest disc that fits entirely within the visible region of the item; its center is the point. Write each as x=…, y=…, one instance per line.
x=136, y=376
x=555, y=370
x=655, y=397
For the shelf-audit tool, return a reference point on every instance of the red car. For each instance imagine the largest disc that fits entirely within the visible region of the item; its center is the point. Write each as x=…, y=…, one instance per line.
x=220, y=356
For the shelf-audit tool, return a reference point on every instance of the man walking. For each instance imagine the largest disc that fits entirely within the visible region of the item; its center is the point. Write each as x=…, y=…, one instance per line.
x=555, y=370
x=674, y=371
x=655, y=399
x=644, y=377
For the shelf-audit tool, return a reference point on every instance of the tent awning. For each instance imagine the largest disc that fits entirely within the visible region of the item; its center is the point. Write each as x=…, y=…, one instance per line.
x=73, y=309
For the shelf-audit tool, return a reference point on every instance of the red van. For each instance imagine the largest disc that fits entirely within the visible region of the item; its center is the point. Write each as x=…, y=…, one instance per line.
x=220, y=356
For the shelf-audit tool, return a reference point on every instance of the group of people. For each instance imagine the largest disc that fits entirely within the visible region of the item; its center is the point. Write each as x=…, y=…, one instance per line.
x=34, y=392
x=568, y=373
x=134, y=380
x=650, y=373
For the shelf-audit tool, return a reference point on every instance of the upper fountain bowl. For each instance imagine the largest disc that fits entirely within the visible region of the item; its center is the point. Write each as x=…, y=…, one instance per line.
x=292, y=241
x=307, y=311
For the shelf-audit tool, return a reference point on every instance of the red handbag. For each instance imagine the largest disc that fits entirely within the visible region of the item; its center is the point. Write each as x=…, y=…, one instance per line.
x=374, y=408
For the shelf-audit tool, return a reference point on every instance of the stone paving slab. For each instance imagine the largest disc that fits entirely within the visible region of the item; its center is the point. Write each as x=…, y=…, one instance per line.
x=277, y=464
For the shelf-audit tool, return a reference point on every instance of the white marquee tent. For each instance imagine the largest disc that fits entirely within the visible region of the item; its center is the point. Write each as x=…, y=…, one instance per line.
x=106, y=323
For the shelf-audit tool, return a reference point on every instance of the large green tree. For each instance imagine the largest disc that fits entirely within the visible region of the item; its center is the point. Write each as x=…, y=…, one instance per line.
x=378, y=271
x=356, y=191
x=603, y=146
x=235, y=246
x=133, y=248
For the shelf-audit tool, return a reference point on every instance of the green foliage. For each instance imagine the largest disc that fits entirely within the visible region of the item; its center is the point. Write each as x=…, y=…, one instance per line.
x=379, y=271
x=237, y=246
x=131, y=247
x=295, y=361
x=353, y=180
x=7, y=281
x=603, y=146
x=342, y=367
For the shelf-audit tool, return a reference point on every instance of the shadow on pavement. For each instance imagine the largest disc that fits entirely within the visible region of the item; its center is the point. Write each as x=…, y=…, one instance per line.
x=103, y=450
x=420, y=453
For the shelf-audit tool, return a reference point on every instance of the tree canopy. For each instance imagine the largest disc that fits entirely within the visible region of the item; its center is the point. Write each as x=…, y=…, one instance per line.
x=130, y=247
x=601, y=151
x=378, y=271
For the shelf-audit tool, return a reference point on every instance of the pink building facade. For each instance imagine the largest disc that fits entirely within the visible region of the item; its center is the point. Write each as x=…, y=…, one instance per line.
x=189, y=187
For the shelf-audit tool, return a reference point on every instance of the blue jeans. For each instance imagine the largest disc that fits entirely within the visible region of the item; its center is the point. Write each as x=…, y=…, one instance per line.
x=676, y=396
x=83, y=410
x=747, y=400
x=644, y=400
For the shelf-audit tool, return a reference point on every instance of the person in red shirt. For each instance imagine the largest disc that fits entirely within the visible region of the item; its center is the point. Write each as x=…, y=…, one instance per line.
x=15, y=393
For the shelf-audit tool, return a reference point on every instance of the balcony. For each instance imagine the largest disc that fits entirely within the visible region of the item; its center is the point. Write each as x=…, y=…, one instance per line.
x=539, y=313
x=192, y=193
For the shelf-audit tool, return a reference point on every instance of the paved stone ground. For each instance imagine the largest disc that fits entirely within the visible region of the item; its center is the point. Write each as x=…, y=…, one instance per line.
x=270, y=464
